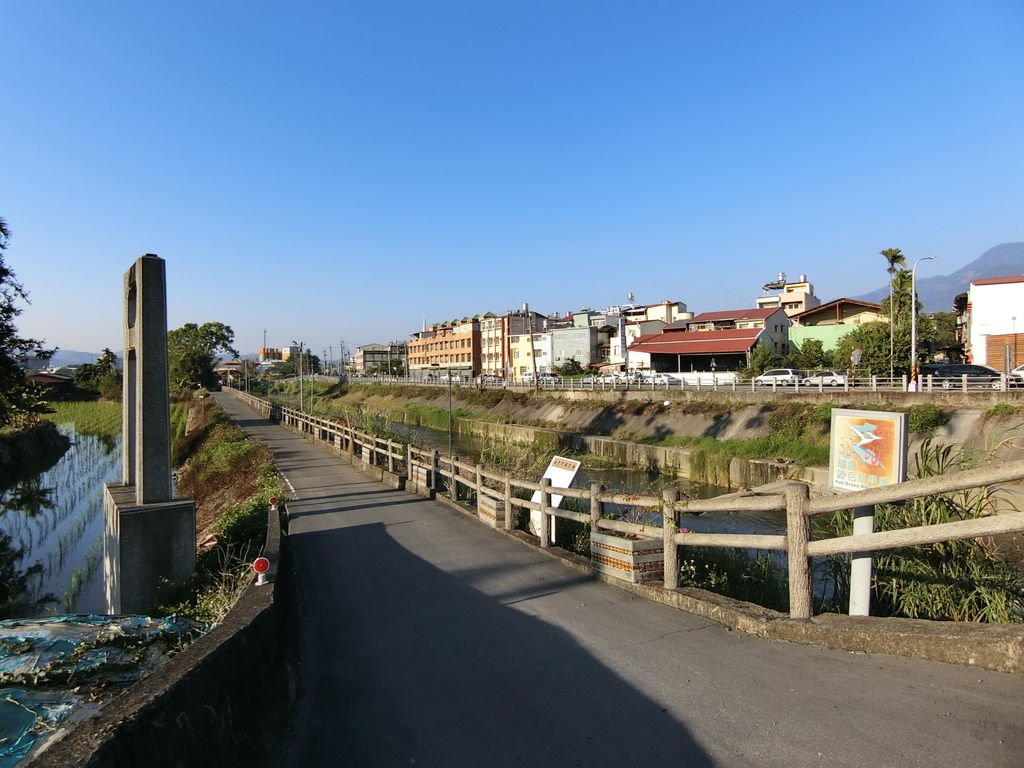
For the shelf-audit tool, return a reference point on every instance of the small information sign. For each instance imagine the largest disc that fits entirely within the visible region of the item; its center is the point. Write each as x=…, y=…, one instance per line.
x=561, y=472
x=868, y=449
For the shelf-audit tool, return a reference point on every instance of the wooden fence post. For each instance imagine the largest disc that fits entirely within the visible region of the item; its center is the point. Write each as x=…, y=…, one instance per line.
x=545, y=521
x=455, y=483
x=435, y=470
x=391, y=457
x=797, y=536
x=669, y=527
x=596, y=506
x=508, y=502
x=479, y=484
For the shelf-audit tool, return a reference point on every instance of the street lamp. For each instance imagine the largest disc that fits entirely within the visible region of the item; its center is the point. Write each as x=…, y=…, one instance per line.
x=450, y=415
x=300, y=343
x=913, y=317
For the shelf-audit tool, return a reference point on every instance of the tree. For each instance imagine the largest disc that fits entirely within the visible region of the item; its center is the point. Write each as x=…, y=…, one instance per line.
x=945, y=332
x=894, y=258
x=761, y=359
x=192, y=353
x=570, y=367
x=19, y=398
x=101, y=376
x=810, y=355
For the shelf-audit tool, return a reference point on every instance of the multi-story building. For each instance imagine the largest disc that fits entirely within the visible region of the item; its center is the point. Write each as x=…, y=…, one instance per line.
x=583, y=345
x=495, y=332
x=268, y=354
x=449, y=346
x=530, y=352
x=794, y=297
x=377, y=358
x=993, y=314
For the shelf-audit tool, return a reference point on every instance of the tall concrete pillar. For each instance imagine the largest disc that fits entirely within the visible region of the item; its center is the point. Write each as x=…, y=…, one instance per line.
x=149, y=534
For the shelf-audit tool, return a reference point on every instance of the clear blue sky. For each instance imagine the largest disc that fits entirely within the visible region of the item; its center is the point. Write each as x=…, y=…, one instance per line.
x=341, y=170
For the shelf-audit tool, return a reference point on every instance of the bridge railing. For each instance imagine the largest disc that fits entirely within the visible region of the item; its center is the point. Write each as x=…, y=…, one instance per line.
x=498, y=497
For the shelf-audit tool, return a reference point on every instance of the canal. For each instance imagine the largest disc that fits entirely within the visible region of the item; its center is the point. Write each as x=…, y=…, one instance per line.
x=622, y=480
x=51, y=531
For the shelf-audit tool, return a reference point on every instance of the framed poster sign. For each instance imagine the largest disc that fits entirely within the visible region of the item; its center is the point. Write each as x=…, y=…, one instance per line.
x=868, y=449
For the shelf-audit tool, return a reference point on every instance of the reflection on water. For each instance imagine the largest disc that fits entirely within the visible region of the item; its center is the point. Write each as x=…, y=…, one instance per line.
x=51, y=531
x=634, y=481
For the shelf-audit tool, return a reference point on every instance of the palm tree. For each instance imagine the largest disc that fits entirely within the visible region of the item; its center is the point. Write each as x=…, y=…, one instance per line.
x=895, y=258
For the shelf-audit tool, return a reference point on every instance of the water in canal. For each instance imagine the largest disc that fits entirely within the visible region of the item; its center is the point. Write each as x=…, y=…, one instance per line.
x=52, y=530
x=634, y=481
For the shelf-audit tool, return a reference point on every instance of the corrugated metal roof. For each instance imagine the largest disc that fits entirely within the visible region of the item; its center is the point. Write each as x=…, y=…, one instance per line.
x=706, y=343
x=832, y=305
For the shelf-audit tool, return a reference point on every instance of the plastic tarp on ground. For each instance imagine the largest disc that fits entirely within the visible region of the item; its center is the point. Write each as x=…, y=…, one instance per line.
x=56, y=670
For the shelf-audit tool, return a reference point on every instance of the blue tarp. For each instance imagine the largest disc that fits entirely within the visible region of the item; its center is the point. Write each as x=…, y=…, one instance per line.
x=50, y=669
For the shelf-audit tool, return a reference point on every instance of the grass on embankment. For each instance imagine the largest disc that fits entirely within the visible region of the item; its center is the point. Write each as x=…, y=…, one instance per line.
x=231, y=479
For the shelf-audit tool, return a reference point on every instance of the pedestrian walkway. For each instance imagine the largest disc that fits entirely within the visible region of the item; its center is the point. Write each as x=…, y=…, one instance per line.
x=428, y=639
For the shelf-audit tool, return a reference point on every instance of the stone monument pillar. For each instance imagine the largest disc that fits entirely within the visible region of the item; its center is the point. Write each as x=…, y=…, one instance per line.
x=149, y=534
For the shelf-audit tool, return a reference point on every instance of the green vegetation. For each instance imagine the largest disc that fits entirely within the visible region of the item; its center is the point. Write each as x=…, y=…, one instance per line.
x=21, y=401
x=970, y=580
x=231, y=479
x=1000, y=410
x=926, y=417
x=753, y=577
x=90, y=417
x=101, y=378
x=191, y=354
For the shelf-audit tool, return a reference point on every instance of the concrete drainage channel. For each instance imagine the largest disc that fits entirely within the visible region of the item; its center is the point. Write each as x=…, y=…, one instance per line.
x=224, y=700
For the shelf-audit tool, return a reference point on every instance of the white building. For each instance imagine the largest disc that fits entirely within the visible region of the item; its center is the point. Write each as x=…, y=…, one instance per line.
x=995, y=314
x=796, y=295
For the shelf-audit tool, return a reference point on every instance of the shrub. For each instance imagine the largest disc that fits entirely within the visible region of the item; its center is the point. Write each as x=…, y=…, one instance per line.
x=926, y=417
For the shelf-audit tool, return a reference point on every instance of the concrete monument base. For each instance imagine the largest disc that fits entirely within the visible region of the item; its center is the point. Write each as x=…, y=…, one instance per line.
x=143, y=544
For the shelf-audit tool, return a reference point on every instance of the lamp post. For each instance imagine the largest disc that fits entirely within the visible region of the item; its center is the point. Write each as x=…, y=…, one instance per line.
x=300, y=343
x=450, y=413
x=913, y=317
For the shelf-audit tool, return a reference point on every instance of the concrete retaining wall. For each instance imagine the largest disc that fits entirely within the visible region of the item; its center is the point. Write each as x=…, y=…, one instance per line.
x=223, y=701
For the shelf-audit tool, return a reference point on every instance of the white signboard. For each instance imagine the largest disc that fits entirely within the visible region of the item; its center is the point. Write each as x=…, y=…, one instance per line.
x=561, y=472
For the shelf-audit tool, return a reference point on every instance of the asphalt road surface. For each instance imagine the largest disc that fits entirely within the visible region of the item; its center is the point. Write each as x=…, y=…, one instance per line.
x=427, y=639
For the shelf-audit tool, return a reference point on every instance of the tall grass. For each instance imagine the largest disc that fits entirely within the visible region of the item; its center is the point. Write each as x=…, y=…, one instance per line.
x=969, y=580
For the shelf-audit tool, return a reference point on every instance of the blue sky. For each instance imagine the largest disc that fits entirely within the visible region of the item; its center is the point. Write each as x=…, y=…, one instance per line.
x=342, y=170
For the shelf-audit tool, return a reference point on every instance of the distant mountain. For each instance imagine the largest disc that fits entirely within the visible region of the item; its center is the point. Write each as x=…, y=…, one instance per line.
x=936, y=293
x=69, y=357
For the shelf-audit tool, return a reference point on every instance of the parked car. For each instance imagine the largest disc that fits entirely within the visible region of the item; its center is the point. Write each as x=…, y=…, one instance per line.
x=826, y=379
x=951, y=376
x=782, y=377
x=657, y=378
x=1017, y=376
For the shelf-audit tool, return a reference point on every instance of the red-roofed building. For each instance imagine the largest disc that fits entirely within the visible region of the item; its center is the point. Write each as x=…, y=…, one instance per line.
x=681, y=351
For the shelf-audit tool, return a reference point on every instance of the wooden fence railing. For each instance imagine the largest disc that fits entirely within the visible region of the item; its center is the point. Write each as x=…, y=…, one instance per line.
x=497, y=498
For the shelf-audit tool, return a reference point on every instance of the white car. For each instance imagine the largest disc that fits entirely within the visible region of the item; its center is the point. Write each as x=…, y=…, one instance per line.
x=1016, y=377
x=782, y=377
x=825, y=378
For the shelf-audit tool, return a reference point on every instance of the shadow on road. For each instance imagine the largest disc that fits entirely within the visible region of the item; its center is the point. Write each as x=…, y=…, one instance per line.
x=404, y=664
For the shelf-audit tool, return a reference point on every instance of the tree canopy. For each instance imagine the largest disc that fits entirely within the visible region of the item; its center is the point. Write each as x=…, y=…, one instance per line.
x=192, y=352
x=18, y=396
x=102, y=376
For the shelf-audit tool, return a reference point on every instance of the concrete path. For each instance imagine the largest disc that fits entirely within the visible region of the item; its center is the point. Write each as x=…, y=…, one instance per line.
x=427, y=639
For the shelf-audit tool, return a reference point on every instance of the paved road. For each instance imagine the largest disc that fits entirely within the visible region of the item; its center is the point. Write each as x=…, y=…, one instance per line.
x=427, y=639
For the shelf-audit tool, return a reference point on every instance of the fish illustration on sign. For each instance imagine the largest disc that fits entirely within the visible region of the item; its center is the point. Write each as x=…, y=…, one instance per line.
x=867, y=435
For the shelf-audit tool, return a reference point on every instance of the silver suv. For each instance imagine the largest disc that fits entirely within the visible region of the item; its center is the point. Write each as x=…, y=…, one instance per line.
x=782, y=377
